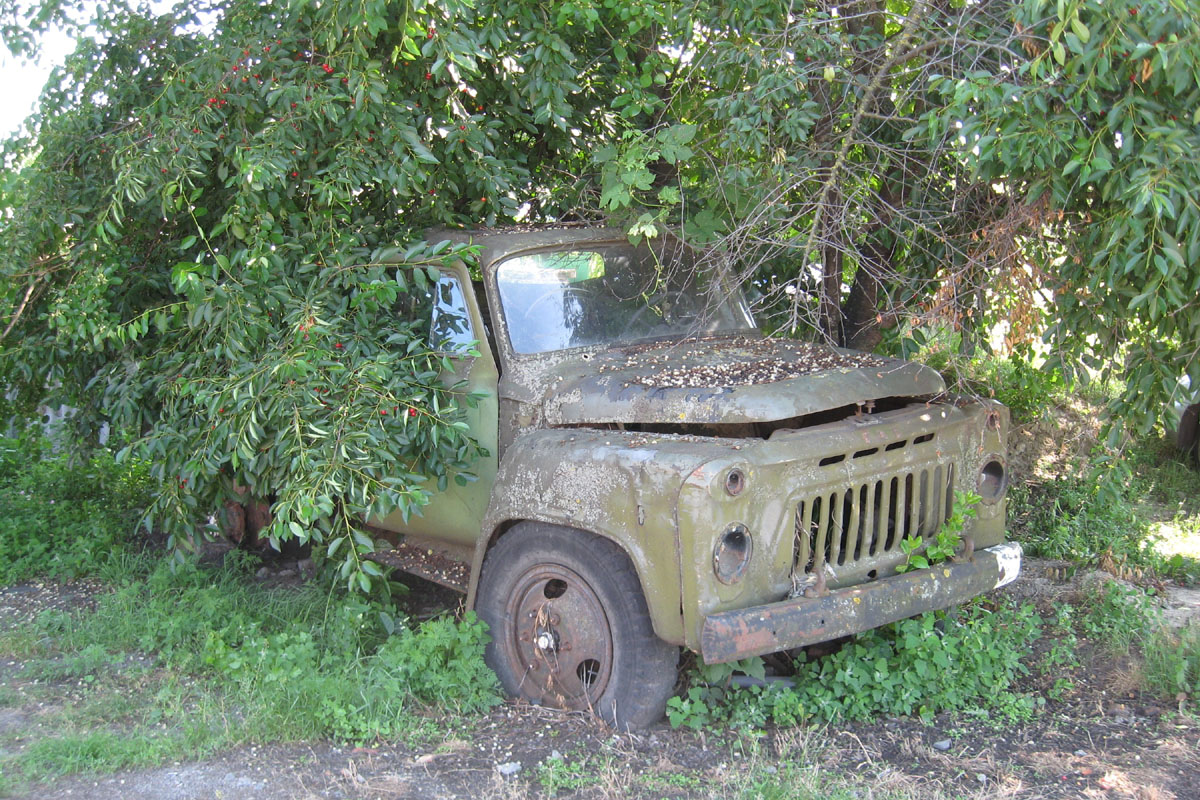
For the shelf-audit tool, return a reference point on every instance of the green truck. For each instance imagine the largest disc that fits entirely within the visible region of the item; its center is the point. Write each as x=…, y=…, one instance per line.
x=661, y=475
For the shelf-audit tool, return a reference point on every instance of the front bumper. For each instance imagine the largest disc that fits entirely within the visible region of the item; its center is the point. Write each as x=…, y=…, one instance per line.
x=733, y=635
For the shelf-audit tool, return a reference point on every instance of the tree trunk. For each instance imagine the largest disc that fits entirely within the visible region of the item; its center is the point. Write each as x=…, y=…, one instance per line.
x=831, y=292
x=862, y=321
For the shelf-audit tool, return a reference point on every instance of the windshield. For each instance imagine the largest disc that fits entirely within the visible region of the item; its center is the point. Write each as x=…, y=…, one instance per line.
x=611, y=295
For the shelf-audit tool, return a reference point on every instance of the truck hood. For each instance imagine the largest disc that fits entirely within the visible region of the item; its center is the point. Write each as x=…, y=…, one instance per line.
x=724, y=380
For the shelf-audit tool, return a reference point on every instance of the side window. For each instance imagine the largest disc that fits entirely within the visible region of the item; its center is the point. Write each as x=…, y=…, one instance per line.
x=450, y=327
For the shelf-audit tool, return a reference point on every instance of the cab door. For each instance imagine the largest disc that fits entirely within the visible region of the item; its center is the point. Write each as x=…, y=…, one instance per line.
x=455, y=514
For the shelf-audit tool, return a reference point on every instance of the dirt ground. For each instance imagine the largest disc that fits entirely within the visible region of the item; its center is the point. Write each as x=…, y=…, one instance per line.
x=1101, y=741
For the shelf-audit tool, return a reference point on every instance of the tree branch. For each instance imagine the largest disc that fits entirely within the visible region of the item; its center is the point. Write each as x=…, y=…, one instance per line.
x=848, y=140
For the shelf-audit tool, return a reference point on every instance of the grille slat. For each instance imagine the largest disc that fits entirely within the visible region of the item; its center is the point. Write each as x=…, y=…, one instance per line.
x=903, y=485
x=918, y=504
x=836, y=532
x=869, y=520
x=879, y=528
x=821, y=541
x=853, y=532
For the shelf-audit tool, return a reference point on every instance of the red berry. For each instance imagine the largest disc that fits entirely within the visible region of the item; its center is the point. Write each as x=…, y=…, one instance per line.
x=295, y=174
x=462, y=127
x=383, y=411
x=338, y=346
x=412, y=412
x=293, y=105
x=235, y=68
x=428, y=76
x=164, y=169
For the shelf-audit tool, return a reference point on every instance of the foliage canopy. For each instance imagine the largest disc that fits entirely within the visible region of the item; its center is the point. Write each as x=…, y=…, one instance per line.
x=214, y=220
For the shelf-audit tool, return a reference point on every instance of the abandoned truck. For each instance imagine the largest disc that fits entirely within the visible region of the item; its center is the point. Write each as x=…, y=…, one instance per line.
x=661, y=475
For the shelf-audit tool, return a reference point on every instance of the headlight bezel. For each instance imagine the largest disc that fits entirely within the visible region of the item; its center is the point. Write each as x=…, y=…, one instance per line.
x=732, y=554
x=991, y=482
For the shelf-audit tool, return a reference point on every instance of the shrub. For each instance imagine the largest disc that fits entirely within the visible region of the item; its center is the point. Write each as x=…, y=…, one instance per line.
x=922, y=665
x=64, y=520
x=1172, y=666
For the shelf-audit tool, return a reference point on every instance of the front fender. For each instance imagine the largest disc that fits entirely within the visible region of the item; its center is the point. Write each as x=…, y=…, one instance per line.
x=620, y=485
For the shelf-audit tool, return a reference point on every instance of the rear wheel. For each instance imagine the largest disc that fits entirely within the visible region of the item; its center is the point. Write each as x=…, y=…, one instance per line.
x=570, y=626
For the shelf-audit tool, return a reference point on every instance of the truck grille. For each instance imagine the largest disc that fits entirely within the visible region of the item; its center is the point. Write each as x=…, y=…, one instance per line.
x=847, y=525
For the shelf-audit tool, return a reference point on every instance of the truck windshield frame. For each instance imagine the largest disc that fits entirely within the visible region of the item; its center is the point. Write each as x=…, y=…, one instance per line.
x=605, y=296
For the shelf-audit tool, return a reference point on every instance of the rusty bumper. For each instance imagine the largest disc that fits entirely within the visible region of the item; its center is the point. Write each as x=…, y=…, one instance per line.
x=731, y=635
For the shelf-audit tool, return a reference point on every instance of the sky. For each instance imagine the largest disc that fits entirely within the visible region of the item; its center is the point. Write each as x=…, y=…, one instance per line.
x=22, y=82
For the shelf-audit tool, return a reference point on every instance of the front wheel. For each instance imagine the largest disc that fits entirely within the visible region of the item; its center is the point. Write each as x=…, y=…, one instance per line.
x=570, y=627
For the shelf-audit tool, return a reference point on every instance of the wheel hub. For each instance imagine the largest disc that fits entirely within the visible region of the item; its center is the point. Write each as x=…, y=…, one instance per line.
x=562, y=640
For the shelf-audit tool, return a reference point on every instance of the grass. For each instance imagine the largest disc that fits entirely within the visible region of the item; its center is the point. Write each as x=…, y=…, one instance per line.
x=233, y=663
x=177, y=661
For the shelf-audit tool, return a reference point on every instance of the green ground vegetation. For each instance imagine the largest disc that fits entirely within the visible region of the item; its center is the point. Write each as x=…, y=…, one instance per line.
x=171, y=661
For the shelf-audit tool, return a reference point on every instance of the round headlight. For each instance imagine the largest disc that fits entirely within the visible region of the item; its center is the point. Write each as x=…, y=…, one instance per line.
x=993, y=480
x=731, y=556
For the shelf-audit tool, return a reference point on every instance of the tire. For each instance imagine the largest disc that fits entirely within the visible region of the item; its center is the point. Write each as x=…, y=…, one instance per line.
x=570, y=627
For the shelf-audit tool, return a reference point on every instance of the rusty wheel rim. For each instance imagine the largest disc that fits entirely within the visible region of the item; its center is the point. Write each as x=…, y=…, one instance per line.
x=560, y=639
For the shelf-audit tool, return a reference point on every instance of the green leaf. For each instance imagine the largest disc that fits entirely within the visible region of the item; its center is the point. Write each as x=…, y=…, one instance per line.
x=1081, y=30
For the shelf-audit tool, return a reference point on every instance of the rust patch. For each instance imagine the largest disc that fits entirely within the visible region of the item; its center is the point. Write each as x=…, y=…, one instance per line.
x=731, y=635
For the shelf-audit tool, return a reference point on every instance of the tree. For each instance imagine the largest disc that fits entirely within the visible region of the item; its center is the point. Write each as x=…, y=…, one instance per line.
x=1095, y=127
x=1018, y=163
x=199, y=230
x=215, y=219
